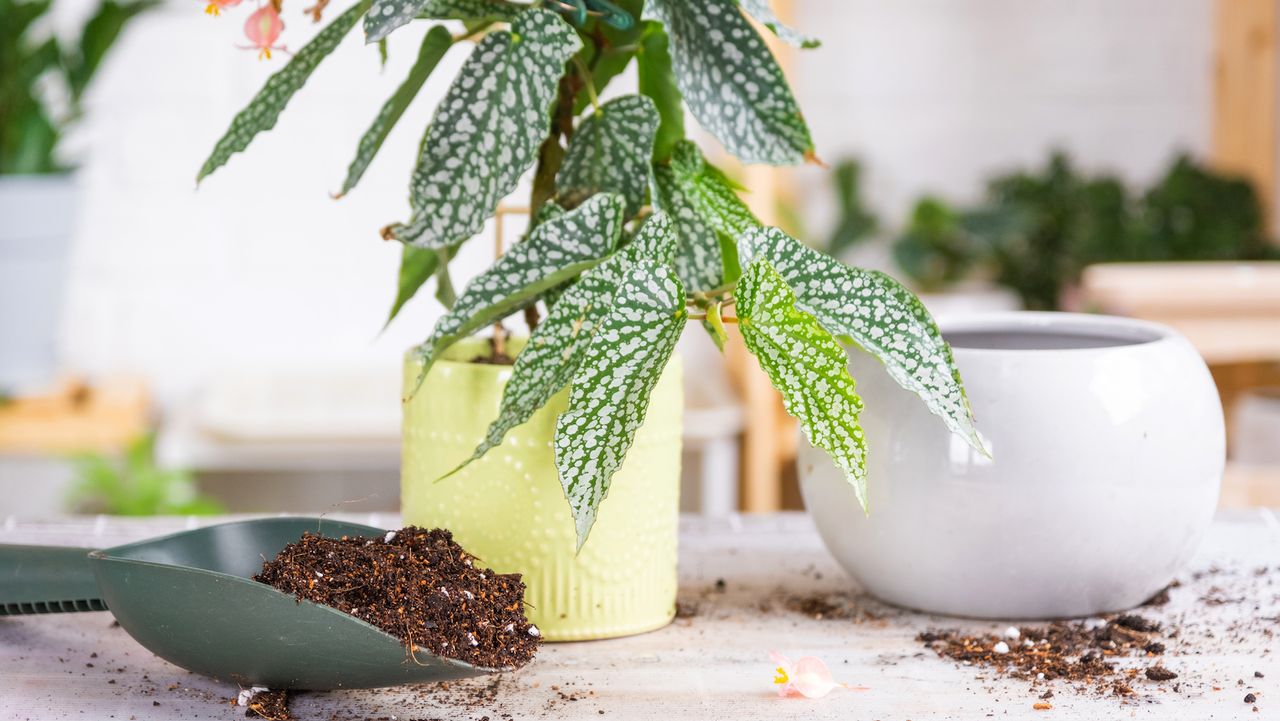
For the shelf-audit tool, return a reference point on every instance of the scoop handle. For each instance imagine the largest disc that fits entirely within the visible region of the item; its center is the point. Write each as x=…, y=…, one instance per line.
x=47, y=579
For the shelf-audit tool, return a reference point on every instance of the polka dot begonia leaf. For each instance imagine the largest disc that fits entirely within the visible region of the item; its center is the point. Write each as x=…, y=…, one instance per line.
x=713, y=191
x=875, y=312
x=698, y=260
x=557, y=345
x=557, y=250
x=610, y=152
x=434, y=45
x=610, y=390
x=731, y=82
x=387, y=15
x=656, y=240
x=708, y=217
x=807, y=365
x=264, y=110
x=487, y=129
x=763, y=12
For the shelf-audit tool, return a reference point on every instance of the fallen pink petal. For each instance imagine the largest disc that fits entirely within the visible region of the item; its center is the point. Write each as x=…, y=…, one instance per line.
x=808, y=677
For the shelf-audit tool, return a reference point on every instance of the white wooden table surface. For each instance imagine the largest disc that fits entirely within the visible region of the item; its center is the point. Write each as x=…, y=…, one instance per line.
x=711, y=665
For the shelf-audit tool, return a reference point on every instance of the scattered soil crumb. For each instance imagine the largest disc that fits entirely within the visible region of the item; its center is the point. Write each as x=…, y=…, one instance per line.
x=417, y=585
x=1160, y=598
x=271, y=705
x=686, y=609
x=1079, y=653
x=839, y=606
x=1134, y=622
x=469, y=694
x=1160, y=673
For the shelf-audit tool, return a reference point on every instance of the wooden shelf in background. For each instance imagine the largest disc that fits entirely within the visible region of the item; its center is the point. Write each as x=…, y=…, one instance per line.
x=1246, y=486
x=74, y=417
x=1245, y=94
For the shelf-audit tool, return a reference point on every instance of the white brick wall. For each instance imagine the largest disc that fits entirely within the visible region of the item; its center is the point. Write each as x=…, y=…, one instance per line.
x=260, y=266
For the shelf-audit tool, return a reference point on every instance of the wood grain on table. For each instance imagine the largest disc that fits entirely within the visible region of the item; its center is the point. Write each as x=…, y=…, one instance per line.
x=740, y=578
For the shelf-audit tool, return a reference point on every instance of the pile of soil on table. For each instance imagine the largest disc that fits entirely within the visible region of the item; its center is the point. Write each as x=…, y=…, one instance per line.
x=417, y=585
x=269, y=705
x=1079, y=653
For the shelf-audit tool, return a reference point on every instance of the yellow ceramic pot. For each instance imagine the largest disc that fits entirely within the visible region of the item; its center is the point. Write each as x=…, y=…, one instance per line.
x=509, y=510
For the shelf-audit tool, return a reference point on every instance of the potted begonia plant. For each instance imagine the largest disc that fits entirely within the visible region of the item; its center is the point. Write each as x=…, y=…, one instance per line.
x=632, y=234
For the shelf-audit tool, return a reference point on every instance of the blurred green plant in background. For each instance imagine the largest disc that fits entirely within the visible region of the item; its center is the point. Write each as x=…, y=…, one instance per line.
x=34, y=112
x=133, y=485
x=1036, y=231
x=854, y=221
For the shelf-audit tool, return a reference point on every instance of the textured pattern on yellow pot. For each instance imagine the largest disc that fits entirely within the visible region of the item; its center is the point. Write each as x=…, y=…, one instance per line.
x=509, y=510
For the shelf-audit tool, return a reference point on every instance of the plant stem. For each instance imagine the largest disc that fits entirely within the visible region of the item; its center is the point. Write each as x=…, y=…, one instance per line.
x=586, y=74
x=472, y=33
x=551, y=153
x=723, y=319
x=499, y=333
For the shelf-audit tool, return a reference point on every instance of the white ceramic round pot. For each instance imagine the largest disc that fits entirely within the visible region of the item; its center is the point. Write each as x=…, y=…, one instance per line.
x=1107, y=453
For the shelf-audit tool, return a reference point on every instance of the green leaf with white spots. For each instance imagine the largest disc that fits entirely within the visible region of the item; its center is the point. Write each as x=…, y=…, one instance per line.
x=264, y=110
x=713, y=192
x=731, y=82
x=436, y=43
x=761, y=11
x=387, y=15
x=698, y=260
x=554, y=351
x=879, y=314
x=708, y=217
x=555, y=348
x=807, y=365
x=656, y=240
x=487, y=130
x=610, y=152
x=555, y=251
x=610, y=393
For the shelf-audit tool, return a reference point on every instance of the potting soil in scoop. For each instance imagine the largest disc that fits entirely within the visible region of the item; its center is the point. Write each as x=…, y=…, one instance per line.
x=417, y=585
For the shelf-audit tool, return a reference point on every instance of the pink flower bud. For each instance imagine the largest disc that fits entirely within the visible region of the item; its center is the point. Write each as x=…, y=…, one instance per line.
x=263, y=29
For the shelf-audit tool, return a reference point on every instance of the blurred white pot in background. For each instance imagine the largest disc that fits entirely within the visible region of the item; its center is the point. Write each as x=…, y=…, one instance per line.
x=37, y=214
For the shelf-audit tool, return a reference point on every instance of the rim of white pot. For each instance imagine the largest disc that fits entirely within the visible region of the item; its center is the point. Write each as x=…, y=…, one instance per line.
x=1120, y=333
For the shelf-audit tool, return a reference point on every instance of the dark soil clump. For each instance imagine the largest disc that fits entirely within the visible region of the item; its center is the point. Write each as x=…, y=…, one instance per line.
x=1134, y=622
x=271, y=705
x=1077, y=652
x=417, y=585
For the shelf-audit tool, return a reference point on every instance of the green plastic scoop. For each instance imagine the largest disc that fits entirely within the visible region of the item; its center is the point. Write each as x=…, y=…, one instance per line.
x=189, y=597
